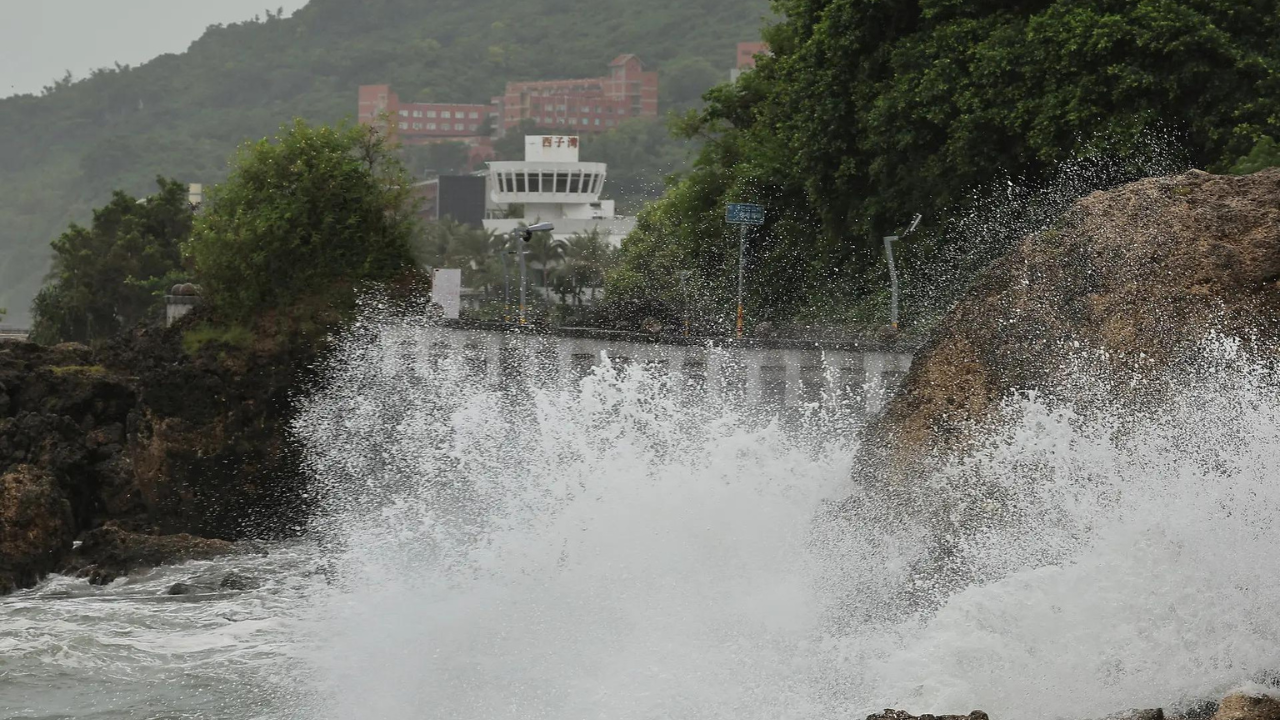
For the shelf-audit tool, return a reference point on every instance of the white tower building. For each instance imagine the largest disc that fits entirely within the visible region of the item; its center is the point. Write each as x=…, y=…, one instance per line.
x=553, y=186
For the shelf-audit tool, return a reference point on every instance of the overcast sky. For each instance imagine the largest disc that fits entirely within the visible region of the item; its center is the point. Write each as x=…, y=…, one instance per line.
x=41, y=39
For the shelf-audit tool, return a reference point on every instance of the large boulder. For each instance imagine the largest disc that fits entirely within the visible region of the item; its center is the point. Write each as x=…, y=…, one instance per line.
x=110, y=552
x=1131, y=278
x=36, y=527
x=903, y=715
x=1248, y=707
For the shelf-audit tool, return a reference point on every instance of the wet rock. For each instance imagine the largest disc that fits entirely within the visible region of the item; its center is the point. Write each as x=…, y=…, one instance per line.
x=110, y=552
x=1150, y=714
x=36, y=527
x=902, y=715
x=1130, y=279
x=1201, y=710
x=180, y=589
x=238, y=582
x=1248, y=707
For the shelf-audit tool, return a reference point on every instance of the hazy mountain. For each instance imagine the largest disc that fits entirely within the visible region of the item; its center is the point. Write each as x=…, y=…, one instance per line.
x=182, y=115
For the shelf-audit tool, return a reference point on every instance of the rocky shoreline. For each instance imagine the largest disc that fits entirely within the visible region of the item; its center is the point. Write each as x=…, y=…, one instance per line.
x=150, y=449
x=1236, y=706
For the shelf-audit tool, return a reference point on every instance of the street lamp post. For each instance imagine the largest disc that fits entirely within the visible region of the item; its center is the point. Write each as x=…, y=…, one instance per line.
x=526, y=234
x=684, y=289
x=893, y=270
x=506, y=287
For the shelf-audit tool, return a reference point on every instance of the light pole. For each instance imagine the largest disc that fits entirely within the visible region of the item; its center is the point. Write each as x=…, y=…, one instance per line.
x=526, y=234
x=893, y=270
x=684, y=289
x=506, y=286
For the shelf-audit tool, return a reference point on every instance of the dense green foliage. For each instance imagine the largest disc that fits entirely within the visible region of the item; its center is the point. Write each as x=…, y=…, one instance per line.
x=317, y=211
x=113, y=273
x=181, y=115
x=573, y=269
x=870, y=111
x=1265, y=154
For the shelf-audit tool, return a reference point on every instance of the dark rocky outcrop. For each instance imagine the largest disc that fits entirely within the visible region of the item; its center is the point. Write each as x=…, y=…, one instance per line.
x=901, y=715
x=1133, y=277
x=36, y=526
x=1238, y=706
x=108, y=552
x=153, y=433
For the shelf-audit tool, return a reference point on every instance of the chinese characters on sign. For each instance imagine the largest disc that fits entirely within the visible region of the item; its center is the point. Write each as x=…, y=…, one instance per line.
x=559, y=141
x=744, y=214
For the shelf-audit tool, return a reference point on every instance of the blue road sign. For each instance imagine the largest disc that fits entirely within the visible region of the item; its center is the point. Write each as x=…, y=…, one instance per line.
x=744, y=214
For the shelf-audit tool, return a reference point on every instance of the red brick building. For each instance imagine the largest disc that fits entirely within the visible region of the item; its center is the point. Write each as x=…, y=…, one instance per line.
x=747, y=52
x=586, y=105
x=415, y=123
x=567, y=106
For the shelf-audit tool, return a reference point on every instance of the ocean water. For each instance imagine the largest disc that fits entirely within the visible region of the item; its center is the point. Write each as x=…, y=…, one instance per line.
x=628, y=546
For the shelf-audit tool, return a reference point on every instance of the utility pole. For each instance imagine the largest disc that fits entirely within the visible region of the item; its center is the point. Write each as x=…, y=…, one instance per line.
x=743, y=215
x=506, y=286
x=521, y=251
x=742, y=261
x=893, y=270
x=526, y=234
x=684, y=287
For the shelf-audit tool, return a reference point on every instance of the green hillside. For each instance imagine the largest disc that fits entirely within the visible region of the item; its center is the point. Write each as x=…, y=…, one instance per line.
x=62, y=153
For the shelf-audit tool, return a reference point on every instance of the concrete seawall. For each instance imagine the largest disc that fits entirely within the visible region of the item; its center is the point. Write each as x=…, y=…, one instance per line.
x=770, y=373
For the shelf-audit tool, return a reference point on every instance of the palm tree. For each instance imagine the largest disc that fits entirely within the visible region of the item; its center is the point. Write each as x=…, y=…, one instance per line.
x=588, y=258
x=472, y=250
x=546, y=250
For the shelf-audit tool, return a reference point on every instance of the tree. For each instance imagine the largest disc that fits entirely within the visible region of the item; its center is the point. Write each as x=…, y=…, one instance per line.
x=869, y=111
x=511, y=145
x=316, y=211
x=587, y=258
x=1266, y=154
x=114, y=273
x=437, y=158
x=546, y=251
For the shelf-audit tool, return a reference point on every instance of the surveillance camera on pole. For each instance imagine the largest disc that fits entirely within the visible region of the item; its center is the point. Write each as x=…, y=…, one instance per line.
x=526, y=234
x=893, y=270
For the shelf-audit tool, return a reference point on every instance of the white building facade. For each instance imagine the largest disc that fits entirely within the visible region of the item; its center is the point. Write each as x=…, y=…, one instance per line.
x=553, y=186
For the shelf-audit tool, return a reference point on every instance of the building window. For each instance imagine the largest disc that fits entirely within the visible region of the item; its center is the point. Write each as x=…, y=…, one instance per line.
x=404, y=126
x=575, y=183
x=459, y=126
x=573, y=121
x=431, y=113
x=533, y=183
x=417, y=126
x=474, y=116
x=560, y=120
x=445, y=115
x=431, y=126
x=562, y=182
x=519, y=184
x=404, y=113
x=474, y=128
x=609, y=123
x=548, y=121
x=417, y=113
x=597, y=121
